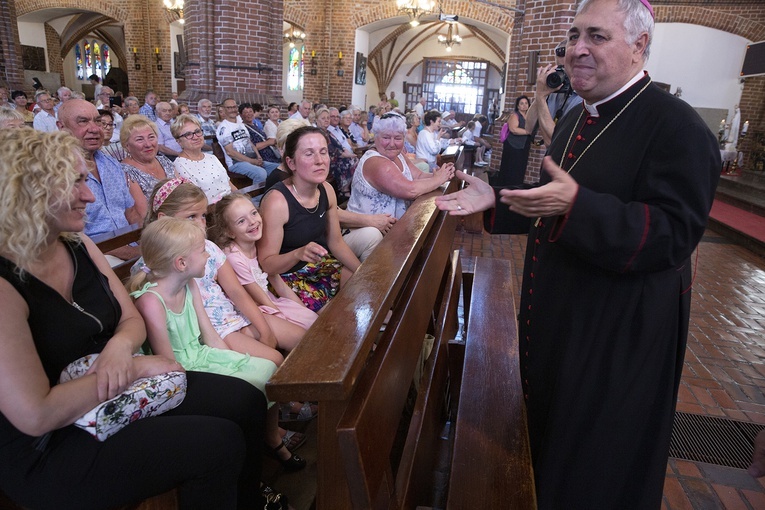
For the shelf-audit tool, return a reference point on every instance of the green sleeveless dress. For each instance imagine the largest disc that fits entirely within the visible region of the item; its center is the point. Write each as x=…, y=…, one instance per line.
x=184, y=333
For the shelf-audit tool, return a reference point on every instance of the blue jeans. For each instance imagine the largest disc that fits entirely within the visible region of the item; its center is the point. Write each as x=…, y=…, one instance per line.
x=256, y=173
x=270, y=166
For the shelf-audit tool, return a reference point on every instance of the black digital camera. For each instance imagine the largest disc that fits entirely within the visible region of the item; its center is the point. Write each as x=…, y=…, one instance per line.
x=558, y=78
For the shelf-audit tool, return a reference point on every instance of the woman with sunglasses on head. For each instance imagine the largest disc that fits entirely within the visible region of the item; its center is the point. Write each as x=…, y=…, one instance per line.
x=203, y=169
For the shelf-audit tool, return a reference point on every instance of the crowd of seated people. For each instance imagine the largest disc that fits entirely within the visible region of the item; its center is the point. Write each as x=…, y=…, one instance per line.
x=288, y=258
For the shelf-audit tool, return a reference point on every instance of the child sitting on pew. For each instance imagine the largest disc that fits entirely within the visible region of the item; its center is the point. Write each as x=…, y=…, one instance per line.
x=468, y=138
x=237, y=228
x=167, y=296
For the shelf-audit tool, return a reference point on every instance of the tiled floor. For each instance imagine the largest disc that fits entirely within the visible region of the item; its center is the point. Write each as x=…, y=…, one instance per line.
x=724, y=364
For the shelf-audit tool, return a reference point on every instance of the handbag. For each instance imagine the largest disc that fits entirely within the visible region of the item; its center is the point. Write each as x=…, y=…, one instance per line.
x=145, y=397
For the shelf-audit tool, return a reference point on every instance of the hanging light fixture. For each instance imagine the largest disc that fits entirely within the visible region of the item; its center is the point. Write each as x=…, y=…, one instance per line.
x=175, y=6
x=449, y=40
x=415, y=9
x=294, y=36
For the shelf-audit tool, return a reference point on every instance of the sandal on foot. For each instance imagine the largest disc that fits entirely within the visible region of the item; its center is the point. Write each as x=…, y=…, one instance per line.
x=290, y=412
x=293, y=440
x=294, y=463
x=272, y=500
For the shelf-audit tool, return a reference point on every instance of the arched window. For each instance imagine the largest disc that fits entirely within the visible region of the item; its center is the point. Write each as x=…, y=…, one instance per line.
x=88, y=62
x=295, y=69
x=455, y=84
x=92, y=57
x=79, y=69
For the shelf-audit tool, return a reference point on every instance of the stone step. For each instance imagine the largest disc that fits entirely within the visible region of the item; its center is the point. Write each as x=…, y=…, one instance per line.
x=745, y=191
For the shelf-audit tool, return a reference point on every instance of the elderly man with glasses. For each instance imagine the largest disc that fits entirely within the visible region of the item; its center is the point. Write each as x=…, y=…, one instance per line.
x=45, y=120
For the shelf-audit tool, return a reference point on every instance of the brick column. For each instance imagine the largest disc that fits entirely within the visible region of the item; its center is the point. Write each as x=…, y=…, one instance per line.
x=11, y=65
x=53, y=43
x=539, y=31
x=229, y=45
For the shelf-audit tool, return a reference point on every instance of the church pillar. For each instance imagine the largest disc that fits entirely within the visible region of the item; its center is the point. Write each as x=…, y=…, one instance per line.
x=233, y=49
x=329, y=32
x=535, y=34
x=53, y=44
x=11, y=64
x=147, y=28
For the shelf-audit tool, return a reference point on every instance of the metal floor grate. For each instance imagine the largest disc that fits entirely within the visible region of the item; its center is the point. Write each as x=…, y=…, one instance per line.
x=713, y=440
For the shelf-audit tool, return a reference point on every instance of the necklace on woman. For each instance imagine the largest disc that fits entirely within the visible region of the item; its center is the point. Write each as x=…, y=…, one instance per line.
x=301, y=200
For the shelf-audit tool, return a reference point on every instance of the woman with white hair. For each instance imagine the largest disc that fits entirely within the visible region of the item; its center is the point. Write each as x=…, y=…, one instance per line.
x=386, y=181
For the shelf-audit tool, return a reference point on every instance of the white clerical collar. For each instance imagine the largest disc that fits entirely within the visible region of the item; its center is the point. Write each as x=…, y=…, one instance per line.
x=592, y=109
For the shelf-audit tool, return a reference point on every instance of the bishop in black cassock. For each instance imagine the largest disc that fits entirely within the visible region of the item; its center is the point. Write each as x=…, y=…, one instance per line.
x=606, y=292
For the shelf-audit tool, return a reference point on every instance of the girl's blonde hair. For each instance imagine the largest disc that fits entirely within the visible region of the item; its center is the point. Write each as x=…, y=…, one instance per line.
x=184, y=195
x=38, y=172
x=162, y=242
x=218, y=232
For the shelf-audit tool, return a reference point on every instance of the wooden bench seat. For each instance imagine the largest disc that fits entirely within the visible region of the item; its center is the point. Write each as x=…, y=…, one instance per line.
x=491, y=462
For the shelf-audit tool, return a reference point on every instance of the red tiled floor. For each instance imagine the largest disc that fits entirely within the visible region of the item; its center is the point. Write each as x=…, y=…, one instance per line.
x=725, y=360
x=730, y=498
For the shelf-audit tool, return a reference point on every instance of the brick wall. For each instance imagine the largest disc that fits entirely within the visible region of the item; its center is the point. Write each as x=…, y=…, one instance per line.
x=53, y=44
x=228, y=43
x=11, y=68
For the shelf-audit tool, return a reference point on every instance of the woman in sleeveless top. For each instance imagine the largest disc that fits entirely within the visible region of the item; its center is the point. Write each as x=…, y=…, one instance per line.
x=301, y=239
x=59, y=300
x=386, y=181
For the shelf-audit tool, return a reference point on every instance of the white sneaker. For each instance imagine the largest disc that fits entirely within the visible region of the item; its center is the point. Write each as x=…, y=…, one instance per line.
x=480, y=163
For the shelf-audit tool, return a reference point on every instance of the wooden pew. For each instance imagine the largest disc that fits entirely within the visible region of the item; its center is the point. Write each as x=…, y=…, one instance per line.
x=491, y=451
x=361, y=378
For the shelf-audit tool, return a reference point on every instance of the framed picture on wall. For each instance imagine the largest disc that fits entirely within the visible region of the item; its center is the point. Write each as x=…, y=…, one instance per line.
x=361, y=69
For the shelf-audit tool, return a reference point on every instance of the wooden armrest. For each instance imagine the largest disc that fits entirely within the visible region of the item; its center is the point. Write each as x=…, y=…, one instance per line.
x=118, y=238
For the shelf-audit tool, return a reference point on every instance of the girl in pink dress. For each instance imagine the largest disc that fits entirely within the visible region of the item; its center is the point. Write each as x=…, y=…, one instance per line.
x=237, y=227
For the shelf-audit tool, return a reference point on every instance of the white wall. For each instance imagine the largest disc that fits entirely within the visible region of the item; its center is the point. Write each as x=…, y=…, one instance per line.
x=704, y=62
x=176, y=29
x=359, y=93
x=33, y=34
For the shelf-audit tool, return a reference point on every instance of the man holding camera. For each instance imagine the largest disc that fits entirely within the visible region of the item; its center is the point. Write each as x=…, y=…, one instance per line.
x=554, y=90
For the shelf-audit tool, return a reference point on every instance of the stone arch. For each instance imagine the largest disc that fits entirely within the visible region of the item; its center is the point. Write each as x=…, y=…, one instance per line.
x=498, y=18
x=109, y=9
x=712, y=18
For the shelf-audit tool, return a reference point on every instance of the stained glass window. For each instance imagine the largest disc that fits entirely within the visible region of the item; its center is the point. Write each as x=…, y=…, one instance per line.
x=78, y=62
x=96, y=58
x=88, y=62
x=106, y=59
x=92, y=57
x=295, y=69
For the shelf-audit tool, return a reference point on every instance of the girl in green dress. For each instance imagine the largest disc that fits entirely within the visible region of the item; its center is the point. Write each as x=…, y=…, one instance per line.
x=176, y=323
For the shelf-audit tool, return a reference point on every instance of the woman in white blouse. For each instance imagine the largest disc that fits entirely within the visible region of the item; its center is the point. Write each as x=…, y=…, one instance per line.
x=203, y=169
x=272, y=124
x=429, y=139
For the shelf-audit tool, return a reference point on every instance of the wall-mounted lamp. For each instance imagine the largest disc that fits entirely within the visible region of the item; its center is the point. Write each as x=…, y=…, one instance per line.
x=159, y=59
x=340, y=71
x=313, y=62
x=135, y=58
